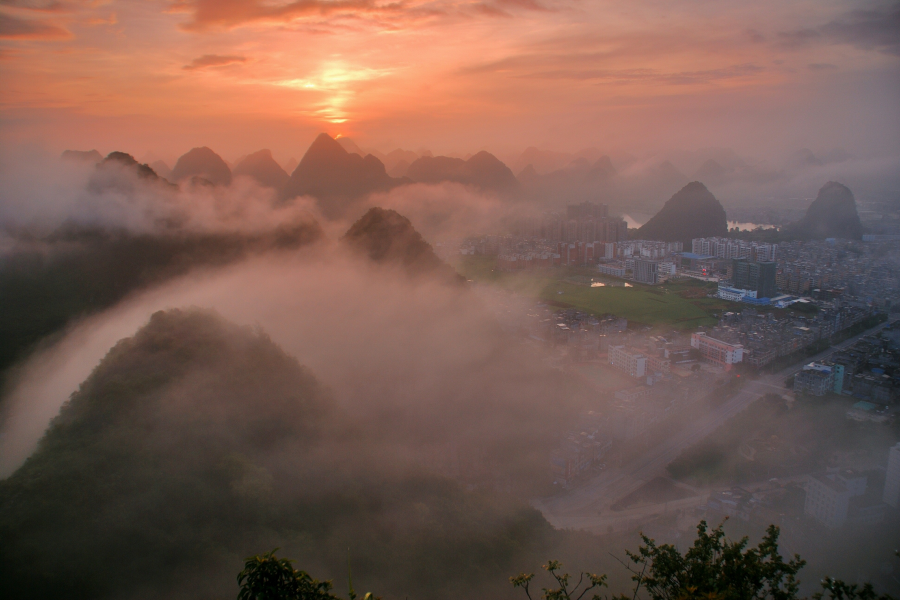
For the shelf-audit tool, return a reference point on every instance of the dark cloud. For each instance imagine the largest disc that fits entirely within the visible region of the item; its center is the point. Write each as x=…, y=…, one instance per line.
x=877, y=30
x=798, y=37
x=868, y=29
x=213, y=60
x=29, y=29
x=821, y=66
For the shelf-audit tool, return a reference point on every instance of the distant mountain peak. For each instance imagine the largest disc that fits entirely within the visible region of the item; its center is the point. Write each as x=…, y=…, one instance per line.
x=126, y=160
x=262, y=167
x=337, y=178
x=482, y=170
x=832, y=214
x=202, y=162
x=693, y=212
x=92, y=156
x=385, y=236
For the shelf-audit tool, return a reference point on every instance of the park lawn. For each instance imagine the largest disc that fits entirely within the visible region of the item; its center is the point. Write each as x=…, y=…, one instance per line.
x=642, y=304
x=682, y=304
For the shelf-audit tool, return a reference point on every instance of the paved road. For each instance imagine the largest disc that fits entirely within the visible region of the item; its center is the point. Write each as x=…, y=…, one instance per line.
x=586, y=506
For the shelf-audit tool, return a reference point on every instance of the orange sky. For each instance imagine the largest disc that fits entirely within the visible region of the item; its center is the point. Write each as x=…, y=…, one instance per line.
x=157, y=76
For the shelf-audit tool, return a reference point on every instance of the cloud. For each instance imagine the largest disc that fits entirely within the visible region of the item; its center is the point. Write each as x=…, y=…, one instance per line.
x=213, y=60
x=868, y=29
x=821, y=66
x=29, y=29
x=388, y=14
x=877, y=30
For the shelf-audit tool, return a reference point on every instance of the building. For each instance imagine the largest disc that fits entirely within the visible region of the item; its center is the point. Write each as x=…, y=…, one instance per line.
x=646, y=271
x=632, y=362
x=814, y=379
x=730, y=249
x=717, y=351
x=755, y=276
x=828, y=496
x=734, y=294
x=616, y=269
x=891, y=495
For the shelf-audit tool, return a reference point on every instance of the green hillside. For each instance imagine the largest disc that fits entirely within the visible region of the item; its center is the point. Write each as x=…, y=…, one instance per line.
x=196, y=443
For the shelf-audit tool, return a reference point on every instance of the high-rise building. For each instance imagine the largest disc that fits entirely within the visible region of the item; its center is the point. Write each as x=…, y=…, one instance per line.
x=892, y=478
x=646, y=271
x=587, y=210
x=758, y=277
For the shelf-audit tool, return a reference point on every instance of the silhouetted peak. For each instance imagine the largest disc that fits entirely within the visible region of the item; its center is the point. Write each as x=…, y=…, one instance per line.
x=832, y=214
x=92, y=156
x=262, y=167
x=386, y=236
x=692, y=212
x=324, y=146
x=350, y=146
x=202, y=162
x=126, y=160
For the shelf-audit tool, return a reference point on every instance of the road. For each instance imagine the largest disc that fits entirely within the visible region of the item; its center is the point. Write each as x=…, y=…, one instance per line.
x=588, y=505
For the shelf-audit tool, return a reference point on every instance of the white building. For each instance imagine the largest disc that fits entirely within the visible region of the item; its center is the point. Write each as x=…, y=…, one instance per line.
x=666, y=268
x=892, y=478
x=633, y=363
x=814, y=379
x=828, y=496
x=734, y=294
x=730, y=248
x=615, y=269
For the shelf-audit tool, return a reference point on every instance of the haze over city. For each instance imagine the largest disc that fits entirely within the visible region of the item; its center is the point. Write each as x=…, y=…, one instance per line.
x=313, y=298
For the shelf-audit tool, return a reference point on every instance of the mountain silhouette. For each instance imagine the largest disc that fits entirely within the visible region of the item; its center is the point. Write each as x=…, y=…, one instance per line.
x=162, y=169
x=350, y=146
x=117, y=172
x=203, y=163
x=385, y=236
x=337, y=178
x=263, y=168
x=831, y=214
x=92, y=156
x=483, y=170
x=710, y=170
x=693, y=212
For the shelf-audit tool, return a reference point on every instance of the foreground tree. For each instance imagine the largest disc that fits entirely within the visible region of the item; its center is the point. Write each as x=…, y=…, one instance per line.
x=714, y=568
x=267, y=577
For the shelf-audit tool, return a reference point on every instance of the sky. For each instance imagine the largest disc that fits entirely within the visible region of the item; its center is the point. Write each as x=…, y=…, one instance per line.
x=158, y=77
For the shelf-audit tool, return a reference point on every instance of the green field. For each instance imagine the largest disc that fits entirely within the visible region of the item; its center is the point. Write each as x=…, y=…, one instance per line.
x=682, y=304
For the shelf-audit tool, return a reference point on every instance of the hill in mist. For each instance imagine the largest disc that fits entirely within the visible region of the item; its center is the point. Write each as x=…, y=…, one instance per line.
x=693, y=212
x=832, y=214
x=483, y=170
x=162, y=169
x=263, y=168
x=387, y=237
x=337, y=178
x=204, y=164
x=91, y=156
x=48, y=281
x=196, y=443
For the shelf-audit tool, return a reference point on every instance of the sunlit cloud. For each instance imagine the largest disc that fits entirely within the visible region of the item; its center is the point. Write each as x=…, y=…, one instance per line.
x=213, y=60
x=335, y=87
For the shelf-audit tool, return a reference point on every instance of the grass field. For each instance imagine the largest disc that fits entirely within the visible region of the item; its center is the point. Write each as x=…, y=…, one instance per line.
x=682, y=304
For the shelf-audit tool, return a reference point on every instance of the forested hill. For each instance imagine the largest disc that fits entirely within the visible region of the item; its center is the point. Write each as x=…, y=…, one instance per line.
x=196, y=443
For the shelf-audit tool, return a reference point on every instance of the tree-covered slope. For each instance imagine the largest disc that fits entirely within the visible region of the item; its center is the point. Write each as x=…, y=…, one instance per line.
x=196, y=443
